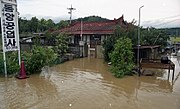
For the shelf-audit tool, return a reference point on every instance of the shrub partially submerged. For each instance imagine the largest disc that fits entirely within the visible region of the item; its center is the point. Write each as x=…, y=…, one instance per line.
x=39, y=58
x=34, y=61
x=122, y=58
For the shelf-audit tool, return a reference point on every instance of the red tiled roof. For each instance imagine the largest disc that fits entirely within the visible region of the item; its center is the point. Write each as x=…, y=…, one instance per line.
x=104, y=27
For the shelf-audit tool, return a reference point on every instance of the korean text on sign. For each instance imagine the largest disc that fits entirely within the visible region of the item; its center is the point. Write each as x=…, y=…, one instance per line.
x=9, y=27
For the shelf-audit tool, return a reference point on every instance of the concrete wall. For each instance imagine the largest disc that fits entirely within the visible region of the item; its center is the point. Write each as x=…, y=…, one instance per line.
x=99, y=51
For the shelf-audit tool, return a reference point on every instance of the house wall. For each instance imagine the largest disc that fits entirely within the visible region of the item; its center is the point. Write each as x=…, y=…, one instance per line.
x=96, y=51
x=88, y=50
x=102, y=39
x=99, y=51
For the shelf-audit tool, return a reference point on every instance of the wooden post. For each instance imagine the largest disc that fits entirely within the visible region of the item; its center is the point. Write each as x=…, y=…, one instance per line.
x=173, y=74
x=139, y=68
x=95, y=48
x=168, y=72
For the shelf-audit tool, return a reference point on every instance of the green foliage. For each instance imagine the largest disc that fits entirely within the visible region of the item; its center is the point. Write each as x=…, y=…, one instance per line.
x=39, y=58
x=62, y=24
x=42, y=25
x=24, y=25
x=1, y=64
x=33, y=24
x=61, y=44
x=119, y=32
x=118, y=50
x=11, y=63
x=50, y=24
x=175, y=39
x=122, y=58
x=91, y=18
x=50, y=38
x=173, y=32
x=108, y=47
x=34, y=61
x=152, y=36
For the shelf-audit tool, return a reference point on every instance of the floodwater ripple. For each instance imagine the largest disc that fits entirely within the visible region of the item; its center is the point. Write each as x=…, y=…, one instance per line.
x=86, y=83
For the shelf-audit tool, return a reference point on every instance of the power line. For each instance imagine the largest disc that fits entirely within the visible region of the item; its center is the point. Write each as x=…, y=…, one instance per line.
x=70, y=12
x=167, y=22
x=170, y=17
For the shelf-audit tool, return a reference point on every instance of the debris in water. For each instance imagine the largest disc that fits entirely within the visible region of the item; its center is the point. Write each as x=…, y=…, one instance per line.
x=70, y=105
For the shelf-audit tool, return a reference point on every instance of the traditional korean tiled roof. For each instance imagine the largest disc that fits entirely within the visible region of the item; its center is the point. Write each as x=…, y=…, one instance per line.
x=101, y=27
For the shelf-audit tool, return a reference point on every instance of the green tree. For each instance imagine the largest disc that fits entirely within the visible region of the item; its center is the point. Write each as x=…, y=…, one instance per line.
x=33, y=24
x=91, y=18
x=122, y=58
x=42, y=25
x=24, y=25
x=50, y=24
x=153, y=36
x=61, y=44
x=119, y=32
x=50, y=38
x=108, y=46
x=62, y=24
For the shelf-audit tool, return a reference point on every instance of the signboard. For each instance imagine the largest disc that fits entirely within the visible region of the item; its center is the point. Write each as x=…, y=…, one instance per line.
x=9, y=1
x=9, y=26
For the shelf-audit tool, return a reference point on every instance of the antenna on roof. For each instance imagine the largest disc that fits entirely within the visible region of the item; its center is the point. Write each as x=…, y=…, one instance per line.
x=70, y=12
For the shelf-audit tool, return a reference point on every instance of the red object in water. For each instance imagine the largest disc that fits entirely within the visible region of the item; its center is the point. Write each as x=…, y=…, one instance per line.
x=22, y=74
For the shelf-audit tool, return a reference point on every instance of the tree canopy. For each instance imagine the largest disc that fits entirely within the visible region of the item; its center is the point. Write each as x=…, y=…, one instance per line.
x=42, y=25
x=153, y=36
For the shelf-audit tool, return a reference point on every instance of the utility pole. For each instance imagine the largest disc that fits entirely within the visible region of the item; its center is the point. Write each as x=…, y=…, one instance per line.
x=81, y=30
x=138, y=54
x=70, y=12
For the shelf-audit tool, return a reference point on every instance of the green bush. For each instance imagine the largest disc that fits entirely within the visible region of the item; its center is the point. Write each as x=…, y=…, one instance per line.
x=12, y=63
x=34, y=61
x=1, y=64
x=108, y=46
x=61, y=44
x=39, y=58
x=122, y=58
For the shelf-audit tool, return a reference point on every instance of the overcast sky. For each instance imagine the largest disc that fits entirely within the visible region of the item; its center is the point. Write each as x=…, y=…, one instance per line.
x=154, y=13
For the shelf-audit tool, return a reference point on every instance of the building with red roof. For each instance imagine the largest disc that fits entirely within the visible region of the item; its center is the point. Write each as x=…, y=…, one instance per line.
x=92, y=33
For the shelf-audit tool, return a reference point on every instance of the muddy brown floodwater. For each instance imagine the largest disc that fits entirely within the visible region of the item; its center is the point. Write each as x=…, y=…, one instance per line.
x=87, y=84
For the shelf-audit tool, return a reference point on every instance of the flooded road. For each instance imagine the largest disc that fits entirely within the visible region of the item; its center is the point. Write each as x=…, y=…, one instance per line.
x=87, y=84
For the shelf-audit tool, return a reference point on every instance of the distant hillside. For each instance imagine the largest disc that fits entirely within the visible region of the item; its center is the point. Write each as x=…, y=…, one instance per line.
x=173, y=31
x=90, y=19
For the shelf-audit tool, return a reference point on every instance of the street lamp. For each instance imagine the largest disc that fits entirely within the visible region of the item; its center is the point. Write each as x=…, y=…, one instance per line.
x=138, y=60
